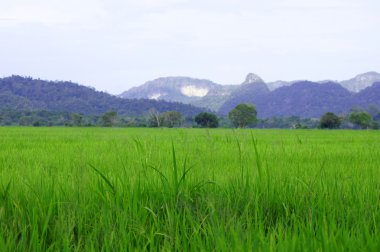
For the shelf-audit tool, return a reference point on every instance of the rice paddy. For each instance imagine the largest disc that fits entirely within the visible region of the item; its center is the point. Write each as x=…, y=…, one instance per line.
x=114, y=189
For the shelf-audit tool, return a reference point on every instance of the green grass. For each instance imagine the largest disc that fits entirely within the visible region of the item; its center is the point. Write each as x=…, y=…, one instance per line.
x=93, y=189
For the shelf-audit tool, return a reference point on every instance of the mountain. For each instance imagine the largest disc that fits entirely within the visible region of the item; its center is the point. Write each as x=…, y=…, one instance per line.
x=215, y=98
x=307, y=99
x=279, y=98
x=21, y=93
x=368, y=96
x=250, y=90
x=354, y=85
x=361, y=81
x=303, y=99
x=179, y=89
x=277, y=84
x=199, y=92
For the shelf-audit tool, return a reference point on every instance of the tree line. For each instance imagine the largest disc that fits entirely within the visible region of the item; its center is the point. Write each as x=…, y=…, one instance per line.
x=242, y=116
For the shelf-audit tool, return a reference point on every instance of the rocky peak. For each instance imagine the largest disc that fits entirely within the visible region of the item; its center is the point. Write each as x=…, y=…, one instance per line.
x=367, y=76
x=253, y=78
x=361, y=81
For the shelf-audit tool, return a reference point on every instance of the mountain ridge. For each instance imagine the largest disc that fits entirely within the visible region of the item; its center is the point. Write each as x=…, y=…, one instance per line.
x=218, y=96
x=25, y=93
x=301, y=98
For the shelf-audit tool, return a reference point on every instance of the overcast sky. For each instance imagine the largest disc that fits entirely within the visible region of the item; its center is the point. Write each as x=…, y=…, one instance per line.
x=113, y=45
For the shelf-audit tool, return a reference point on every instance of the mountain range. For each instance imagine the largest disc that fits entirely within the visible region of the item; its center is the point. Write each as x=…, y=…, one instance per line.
x=190, y=96
x=280, y=98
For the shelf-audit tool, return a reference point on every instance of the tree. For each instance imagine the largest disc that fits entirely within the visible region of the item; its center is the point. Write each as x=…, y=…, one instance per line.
x=171, y=119
x=26, y=120
x=329, y=121
x=360, y=118
x=207, y=120
x=243, y=115
x=109, y=118
x=155, y=118
x=77, y=119
x=374, y=125
x=373, y=110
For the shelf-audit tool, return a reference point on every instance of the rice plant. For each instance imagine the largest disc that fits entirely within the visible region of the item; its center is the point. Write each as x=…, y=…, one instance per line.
x=93, y=189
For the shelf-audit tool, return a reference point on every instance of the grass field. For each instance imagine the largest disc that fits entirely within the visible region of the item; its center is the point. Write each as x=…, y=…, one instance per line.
x=94, y=189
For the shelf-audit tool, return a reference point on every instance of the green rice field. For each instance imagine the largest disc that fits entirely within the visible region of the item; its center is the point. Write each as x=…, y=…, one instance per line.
x=115, y=189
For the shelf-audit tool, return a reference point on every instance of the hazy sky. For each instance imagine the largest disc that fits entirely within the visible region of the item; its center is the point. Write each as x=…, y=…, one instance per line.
x=113, y=45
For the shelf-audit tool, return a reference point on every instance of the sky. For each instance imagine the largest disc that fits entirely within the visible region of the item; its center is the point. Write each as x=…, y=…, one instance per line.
x=113, y=45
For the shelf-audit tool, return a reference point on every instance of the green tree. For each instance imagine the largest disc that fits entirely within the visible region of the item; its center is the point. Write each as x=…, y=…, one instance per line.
x=360, y=118
x=374, y=125
x=25, y=120
x=77, y=119
x=155, y=119
x=329, y=121
x=109, y=118
x=243, y=115
x=207, y=120
x=373, y=110
x=172, y=119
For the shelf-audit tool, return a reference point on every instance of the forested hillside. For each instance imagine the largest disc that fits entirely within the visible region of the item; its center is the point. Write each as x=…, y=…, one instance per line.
x=24, y=93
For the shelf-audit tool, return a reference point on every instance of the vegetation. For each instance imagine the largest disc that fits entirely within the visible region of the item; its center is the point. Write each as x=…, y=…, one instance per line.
x=168, y=119
x=360, y=118
x=330, y=121
x=243, y=115
x=156, y=119
x=103, y=189
x=109, y=119
x=171, y=119
x=27, y=94
x=207, y=120
x=292, y=122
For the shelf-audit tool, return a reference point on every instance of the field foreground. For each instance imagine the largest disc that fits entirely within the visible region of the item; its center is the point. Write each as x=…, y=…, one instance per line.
x=91, y=189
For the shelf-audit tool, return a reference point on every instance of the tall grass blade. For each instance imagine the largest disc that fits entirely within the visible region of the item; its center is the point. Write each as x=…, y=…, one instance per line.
x=108, y=182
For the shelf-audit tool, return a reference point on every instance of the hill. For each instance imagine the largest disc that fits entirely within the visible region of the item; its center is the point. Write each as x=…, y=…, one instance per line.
x=252, y=89
x=199, y=92
x=24, y=93
x=306, y=99
x=361, y=81
x=369, y=96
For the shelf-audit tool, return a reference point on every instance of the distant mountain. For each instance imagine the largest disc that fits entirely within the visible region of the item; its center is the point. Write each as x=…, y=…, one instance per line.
x=180, y=89
x=368, y=96
x=277, y=84
x=307, y=99
x=203, y=93
x=250, y=90
x=279, y=98
x=361, y=81
x=355, y=84
x=304, y=99
x=197, y=92
x=21, y=93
